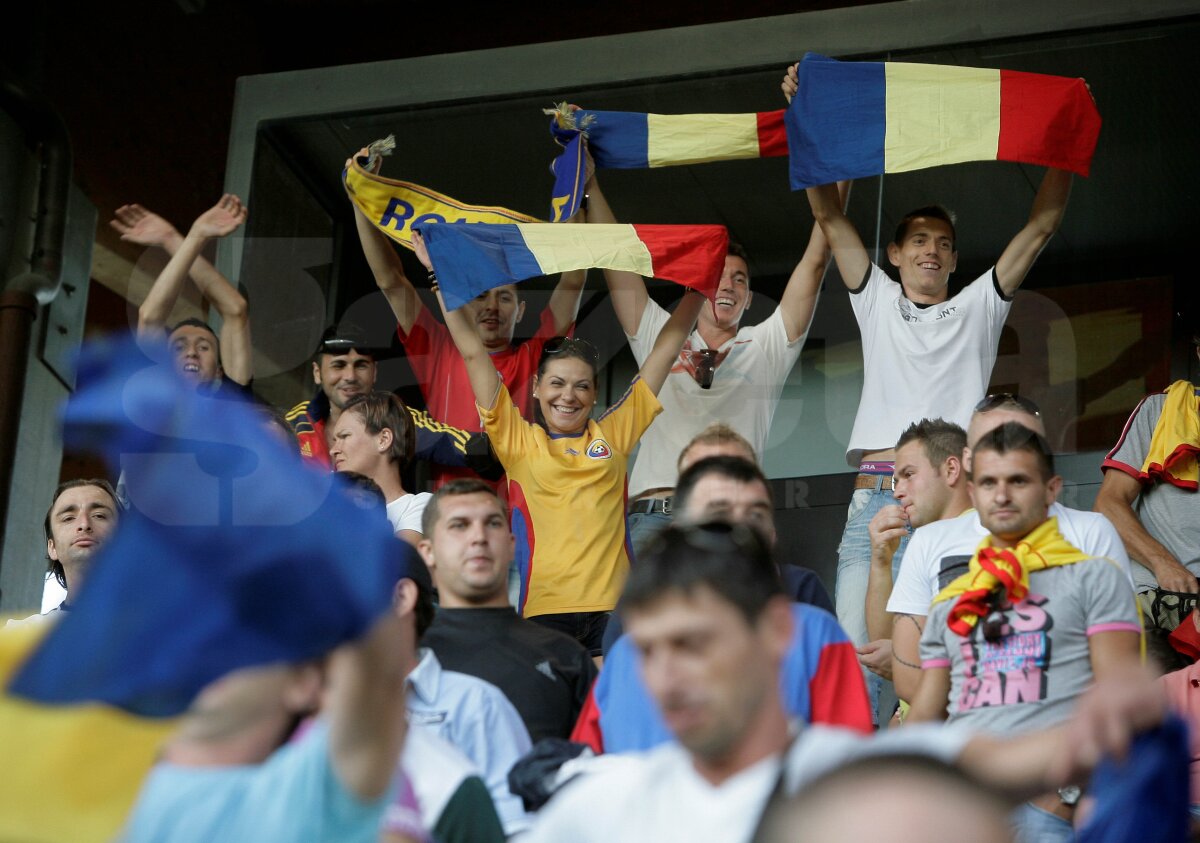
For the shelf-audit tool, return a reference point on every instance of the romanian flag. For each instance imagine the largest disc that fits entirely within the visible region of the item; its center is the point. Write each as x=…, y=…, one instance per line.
x=394, y=207
x=854, y=119
x=226, y=559
x=471, y=259
x=626, y=140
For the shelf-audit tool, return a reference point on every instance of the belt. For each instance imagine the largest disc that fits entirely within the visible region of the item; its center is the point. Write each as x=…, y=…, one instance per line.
x=649, y=506
x=868, y=481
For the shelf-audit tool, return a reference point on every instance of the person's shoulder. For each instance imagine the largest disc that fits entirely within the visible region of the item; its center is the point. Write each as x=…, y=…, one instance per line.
x=1079, y=518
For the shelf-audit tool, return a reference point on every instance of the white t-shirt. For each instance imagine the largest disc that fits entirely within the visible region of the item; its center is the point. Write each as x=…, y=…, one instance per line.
x=919, y=363
x=659, y=796
x=745, y=392
x=405, y=512
x=938, y=553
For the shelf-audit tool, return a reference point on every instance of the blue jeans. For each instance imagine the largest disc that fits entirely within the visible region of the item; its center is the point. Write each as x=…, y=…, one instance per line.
x=1035, y=825
x=643, y=527
x=854, y=567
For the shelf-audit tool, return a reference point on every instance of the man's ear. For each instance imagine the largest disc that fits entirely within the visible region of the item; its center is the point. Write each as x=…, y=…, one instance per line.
x=425, y=548
x=404, y=598
x=893, y=254
x=316, y=373
x=50, y=551
x=952, y=469
x=1053, y=488
x=520, y=312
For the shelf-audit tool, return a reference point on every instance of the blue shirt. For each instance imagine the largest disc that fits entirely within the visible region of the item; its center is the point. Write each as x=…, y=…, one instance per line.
x=294, y=795
x=476, y=717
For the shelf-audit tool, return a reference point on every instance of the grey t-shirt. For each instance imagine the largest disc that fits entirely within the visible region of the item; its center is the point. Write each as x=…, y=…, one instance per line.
x=1170, y=514
x=1029, y=678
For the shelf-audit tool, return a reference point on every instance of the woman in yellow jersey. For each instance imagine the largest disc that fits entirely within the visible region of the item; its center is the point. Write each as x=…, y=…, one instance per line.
x=566, y=474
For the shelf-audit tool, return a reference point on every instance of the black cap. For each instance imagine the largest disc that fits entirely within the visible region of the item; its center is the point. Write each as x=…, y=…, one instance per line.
x=413, y=567
x=344, y=338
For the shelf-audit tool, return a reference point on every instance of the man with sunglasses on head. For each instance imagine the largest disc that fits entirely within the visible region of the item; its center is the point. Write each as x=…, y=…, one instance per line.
x=939, y=552
x=1033, y=621
x=494, y=315
x=1150, y=488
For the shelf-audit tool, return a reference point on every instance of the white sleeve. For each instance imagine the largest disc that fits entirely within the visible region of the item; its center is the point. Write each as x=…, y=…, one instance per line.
x=642, y=343
x=822, y=749
x=864, y=300
x=771, y=335
x=1100, y=538
x=916, y=582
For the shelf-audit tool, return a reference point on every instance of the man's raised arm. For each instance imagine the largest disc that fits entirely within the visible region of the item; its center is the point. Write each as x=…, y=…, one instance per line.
x=385, y=265
x=800, y=295
x=626, y=289
x=1049, y=205
x=137, y=225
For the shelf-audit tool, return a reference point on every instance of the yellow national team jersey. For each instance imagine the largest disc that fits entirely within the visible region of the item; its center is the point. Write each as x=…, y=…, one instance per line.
x=568, y=501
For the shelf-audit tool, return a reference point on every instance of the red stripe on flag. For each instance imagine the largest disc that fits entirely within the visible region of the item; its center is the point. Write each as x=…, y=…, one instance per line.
x=691, y=255
x=1047, y=120
x=772, y=136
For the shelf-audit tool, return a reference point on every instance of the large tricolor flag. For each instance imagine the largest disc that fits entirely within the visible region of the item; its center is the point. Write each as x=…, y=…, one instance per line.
x=854, y=119
x=627, y=140
x=226, y=559
x=470, y=258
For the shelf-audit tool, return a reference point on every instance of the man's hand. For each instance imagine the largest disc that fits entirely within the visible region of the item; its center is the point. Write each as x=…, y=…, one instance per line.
x=1172, y=576
x=137, y=225
x=791, y=81
x=222, y=218
x=876, y=656
x=1105, y=721
x=365, y=153
x=887, y=528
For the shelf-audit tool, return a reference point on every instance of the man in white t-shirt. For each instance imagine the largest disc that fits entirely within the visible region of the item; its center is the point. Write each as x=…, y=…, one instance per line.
x=926, y=354
x=938, y=553
x=707, y=612
x=725, y=372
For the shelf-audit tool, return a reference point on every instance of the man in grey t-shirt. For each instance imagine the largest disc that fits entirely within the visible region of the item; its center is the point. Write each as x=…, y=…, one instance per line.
x=1016, y=658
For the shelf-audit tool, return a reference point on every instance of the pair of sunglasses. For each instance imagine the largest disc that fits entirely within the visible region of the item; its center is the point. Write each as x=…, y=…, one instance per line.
x=1007, y=399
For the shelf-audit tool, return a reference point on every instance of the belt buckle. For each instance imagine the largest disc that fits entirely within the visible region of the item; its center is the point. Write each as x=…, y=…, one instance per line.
x=666, y=506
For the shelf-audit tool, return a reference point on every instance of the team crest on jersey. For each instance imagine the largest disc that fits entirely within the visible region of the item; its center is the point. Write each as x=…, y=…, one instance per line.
x=599, y=450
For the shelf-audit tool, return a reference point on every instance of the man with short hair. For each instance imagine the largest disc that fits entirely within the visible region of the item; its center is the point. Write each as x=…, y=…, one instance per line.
x=431, y=352
x=468, y=546
x=1033, y=622
x=82, y=516
x=1150, y=488
x=343, y=369
x=926, y=354
x=227, y=364
x=821, y=679
x=713, y=628
x=929, y=485
x=939, y=552
x=726, y=371
x=468, y=712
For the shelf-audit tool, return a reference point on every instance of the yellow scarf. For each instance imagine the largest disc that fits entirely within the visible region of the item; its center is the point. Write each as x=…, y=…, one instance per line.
x=1005, y=569
x=1176, y=441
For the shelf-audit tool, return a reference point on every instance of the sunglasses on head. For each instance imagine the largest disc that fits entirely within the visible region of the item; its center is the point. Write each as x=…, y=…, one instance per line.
x=570, y=345
x=1006, y=399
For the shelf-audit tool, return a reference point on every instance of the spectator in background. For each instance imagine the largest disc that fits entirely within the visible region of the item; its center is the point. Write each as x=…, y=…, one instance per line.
x=82, y=516
x=1011, y=644
x=821, y=681
x=375, y=436
x=939, y=552
x=468, y=546
x=1150, y=492
x=493, y=317
x=228, y=364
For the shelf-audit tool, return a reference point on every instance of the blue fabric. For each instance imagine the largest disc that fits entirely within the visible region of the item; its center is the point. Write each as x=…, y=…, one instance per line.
x=254, y=558
x=804, y=586
x=570, y=174
x=472, y=258
x=1032, y=824
x=630, y=720
x=1143, y=799
x=836, y=121
x=295, y=795
x=618, y=140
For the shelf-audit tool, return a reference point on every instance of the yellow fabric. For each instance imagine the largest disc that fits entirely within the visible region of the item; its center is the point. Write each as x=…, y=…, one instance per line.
x=939, y=115
x=561, y=248
x=1043, y=548
x=568, y=498
x=70, y=773
x=674, y=139
x=1172, y=454
x=374, y=195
